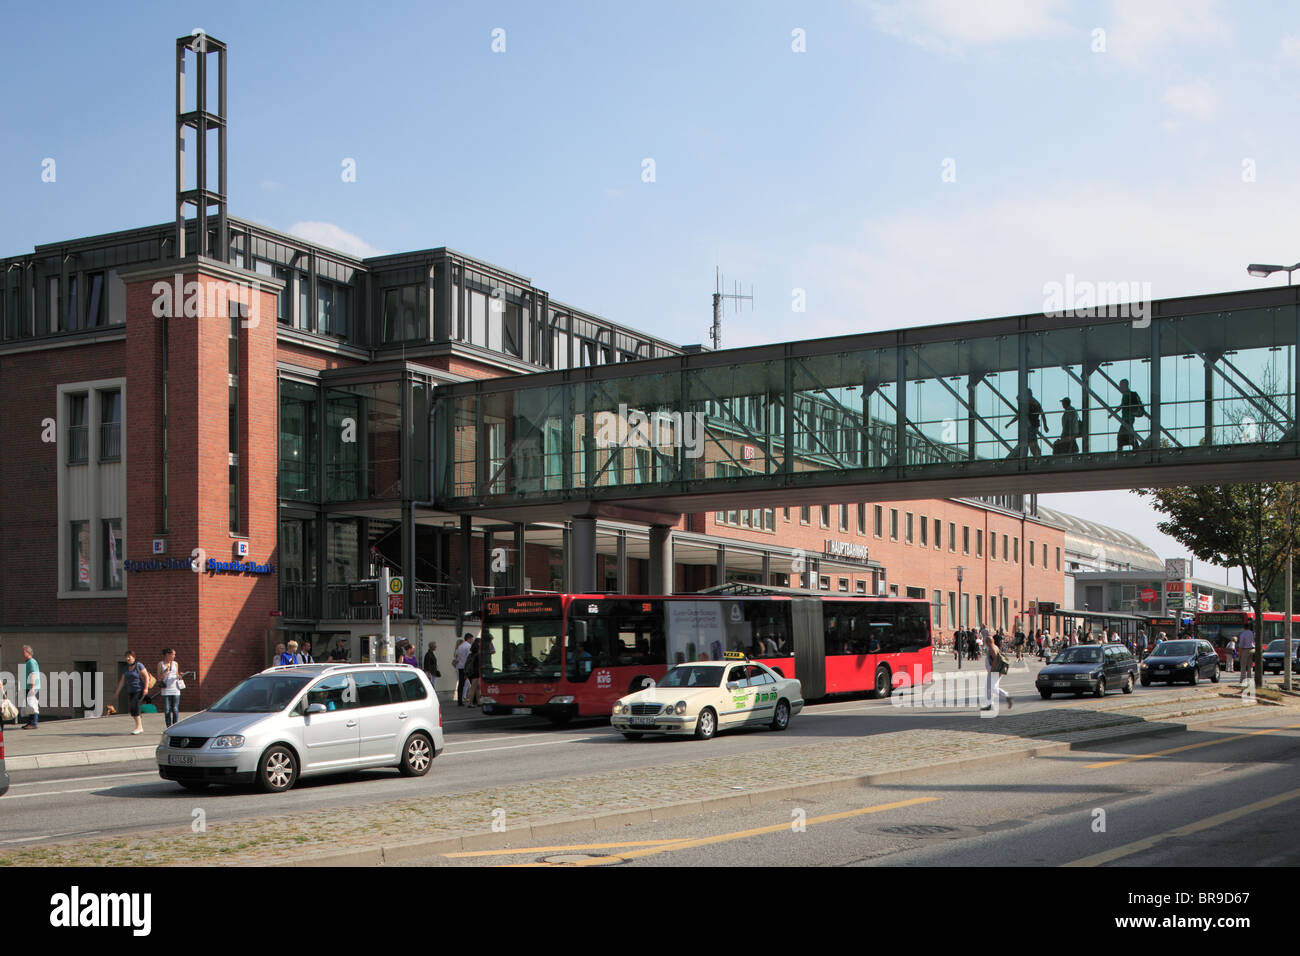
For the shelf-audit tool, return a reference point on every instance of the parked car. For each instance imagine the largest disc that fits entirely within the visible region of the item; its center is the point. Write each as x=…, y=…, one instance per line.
x=1183, y=660
x=703, y=697
x=1088, y=667
x=307, y=719
x=1275, y=656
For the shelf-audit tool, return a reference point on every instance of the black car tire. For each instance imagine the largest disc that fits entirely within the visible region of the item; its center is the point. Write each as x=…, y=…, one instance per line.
x=277, y=771
x=706, y=725
x=1146, y=681
x=781, y=716
x=1100, y=690
x=417, y=755
x=1045, y=694
x=1128, y=684
x=1196, y=676
x=1214, y=678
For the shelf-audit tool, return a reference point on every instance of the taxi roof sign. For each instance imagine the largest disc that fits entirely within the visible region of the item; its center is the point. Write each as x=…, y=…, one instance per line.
x=735, y=655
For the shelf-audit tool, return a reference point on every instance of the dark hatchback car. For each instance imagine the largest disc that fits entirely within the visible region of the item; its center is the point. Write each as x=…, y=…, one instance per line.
x=1088, y=667
x=1275, y=656
x=1184, y=660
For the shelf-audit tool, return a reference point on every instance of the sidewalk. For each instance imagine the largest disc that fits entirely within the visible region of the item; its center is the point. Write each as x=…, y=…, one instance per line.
x=547, y=809
x=104, y=740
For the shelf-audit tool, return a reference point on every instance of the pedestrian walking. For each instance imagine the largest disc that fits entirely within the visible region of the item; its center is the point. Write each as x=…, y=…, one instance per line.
x=169, y=675
x=471, y=672
x=994, y=663
x=1068, y=444
x=31, y=688
x=1037, y=423
x=138, y=682
x=1232, y=654
x=1246, y=653
x=431, y=662
x=462, y=655
x=1130, y=409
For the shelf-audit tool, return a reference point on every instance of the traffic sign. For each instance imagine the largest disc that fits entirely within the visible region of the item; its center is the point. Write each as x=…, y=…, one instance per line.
x=1148, y=595
x=396, y=585
x=395, y=604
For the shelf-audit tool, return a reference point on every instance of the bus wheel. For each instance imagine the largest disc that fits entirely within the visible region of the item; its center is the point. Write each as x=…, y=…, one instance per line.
x=706, y=725
x=884, y=686
x=781, y=719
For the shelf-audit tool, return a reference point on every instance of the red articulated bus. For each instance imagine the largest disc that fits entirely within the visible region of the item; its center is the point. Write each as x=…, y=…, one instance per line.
x=1218, y=627
x=567, y=655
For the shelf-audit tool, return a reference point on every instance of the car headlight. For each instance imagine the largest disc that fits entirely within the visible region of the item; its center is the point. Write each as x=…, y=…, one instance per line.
x=165, y=742
x=679, y=708
x=1095, y=674
x=229, y=740
x=618, y=708
x=1185, y=664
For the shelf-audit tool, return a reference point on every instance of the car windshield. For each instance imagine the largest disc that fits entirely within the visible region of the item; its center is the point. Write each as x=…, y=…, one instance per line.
x=1174, y=649
x=1279, y=645
x=1078, y=655
x=688, y=675
x=263, y=694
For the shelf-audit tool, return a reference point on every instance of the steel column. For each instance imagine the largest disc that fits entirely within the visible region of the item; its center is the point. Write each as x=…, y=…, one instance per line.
x=583, y=541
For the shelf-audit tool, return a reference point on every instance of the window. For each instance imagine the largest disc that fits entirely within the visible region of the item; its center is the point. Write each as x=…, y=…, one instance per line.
x=304, y=301
x=844, y=517
x=372, y=688
x=938, y=608
x=1058, y=559
x=332, y=300
x=907, y=526
x=844, y=584
x=79, y=575
x=1029, y=552
x=862, y=518
x=993, y=546
x=893, y=524
x=925, y=527
x=52, y=303
x=1015, y=550
x=110, y=425
x=78, y=430
x=1045, y=555
x=938, y=534
x=979, y=542
x=879, y=521
x=824, y=582
x=96, y=302
x=979, y=610
x=952, y=537
x=826, y=516
x=786, y=513
x=859, y=586
x=965, y=539
x=804, y=516
x=405, y=309
x=952, y=609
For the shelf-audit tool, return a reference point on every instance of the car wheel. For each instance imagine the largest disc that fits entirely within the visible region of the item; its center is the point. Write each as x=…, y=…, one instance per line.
x=1214, y=678
x=884, y=686
x=781, y=719
x=707, y=724
x=417, y=755
x=277, y=771
x=1100, y=690
x=1128, y=684
x=1045, y=694
x=1196, y=676
x=632, y=735
x=1146, y=682
x=195, y=786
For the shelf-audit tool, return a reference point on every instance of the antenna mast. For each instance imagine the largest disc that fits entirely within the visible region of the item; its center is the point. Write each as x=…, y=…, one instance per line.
x=715, y=333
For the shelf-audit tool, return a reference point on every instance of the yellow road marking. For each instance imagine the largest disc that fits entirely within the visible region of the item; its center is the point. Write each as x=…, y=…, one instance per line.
x=554, y=849
x=1218, y=819
x=1186, y=747
x=687, y=844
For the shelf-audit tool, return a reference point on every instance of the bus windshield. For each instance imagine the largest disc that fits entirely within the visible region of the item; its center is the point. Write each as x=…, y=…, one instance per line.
x=522, y=652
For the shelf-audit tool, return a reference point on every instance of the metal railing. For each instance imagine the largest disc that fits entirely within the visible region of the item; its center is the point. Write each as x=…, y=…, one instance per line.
x=78, y=444
x=110, y=441
x=425, y=600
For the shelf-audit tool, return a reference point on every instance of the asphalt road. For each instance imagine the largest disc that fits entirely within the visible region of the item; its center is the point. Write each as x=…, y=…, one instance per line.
x=1221, y=795
x=65, y=804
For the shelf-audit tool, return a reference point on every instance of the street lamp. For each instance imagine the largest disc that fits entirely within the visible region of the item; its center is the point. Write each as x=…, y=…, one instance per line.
x=1263, y=271
x=960, y=622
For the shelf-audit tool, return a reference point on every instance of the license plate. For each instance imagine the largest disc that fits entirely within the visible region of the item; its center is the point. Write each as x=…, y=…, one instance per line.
x=641, y=721
x=1161, y=670
x=1061, y=683
x=181, y=760
x=521, y=710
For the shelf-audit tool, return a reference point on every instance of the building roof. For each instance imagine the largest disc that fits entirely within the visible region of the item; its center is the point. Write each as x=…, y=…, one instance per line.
x=1091, y=529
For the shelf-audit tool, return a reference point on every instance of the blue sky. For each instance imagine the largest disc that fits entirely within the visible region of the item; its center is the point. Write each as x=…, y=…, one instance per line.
x=1161, y=150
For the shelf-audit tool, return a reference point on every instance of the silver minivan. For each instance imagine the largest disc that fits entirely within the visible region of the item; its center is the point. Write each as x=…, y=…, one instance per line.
x=307, y=719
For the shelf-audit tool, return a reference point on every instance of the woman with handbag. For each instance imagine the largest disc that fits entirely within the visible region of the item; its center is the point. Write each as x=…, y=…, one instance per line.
x=995, y=665
x=138, y=682
x=169, y=674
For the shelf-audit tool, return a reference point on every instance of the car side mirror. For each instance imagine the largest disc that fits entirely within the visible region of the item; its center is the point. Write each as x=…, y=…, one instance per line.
x=733, y=685
x=315, y=709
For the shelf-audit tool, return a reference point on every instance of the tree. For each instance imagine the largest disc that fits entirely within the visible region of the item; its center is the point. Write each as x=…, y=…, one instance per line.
x=1254, y=527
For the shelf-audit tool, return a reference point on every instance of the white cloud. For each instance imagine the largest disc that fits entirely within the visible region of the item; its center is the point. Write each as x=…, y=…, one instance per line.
x=1138, y=32
x=950, y=26
x=334, y=237
x=1197, y=99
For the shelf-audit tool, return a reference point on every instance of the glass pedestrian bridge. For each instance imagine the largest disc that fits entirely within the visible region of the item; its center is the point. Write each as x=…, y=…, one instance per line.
x=1198, y=390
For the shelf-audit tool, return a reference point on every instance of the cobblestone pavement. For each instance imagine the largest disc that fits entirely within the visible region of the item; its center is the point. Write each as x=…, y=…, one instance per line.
x=281, y=838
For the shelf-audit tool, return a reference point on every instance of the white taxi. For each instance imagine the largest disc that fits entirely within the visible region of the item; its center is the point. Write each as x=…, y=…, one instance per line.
x=703, y=697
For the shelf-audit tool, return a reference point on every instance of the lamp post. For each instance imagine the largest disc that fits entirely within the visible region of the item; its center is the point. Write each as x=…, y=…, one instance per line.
x=961, y=623
x=1262, y=271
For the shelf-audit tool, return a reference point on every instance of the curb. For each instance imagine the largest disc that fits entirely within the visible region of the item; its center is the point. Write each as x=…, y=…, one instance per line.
x=399, y=852
x=79, y=758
